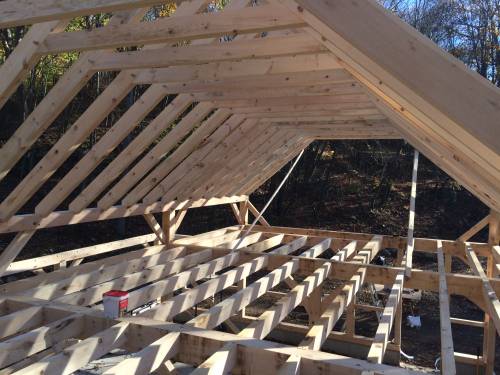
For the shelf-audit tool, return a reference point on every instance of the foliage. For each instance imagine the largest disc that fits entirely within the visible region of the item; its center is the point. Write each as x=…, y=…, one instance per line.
x=469, y=29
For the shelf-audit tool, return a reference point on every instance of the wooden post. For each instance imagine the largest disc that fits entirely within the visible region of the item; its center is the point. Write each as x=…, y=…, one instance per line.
x=448, y=259
x=314, y=305
x=236, y=212
x=489, y=337
x=244, y=212
x=156, y=228
x=411, y=222
x=351, y=318
x=399, y=313
x=168, y=224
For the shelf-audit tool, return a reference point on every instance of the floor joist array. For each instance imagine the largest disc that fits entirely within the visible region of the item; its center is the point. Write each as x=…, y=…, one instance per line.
x=54, y=322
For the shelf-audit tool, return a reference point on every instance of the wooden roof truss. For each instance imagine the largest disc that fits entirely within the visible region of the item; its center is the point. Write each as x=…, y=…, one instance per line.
x=248, y=88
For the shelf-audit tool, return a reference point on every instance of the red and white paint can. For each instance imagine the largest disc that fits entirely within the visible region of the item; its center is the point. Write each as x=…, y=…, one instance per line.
x=115, y=303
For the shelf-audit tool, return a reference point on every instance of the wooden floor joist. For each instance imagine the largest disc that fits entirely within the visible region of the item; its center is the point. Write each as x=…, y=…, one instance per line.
x=447, y=350
x=209, y=254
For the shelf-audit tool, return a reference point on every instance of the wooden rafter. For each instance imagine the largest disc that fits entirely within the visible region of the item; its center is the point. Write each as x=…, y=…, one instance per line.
x=16, y=13
x=174, y=29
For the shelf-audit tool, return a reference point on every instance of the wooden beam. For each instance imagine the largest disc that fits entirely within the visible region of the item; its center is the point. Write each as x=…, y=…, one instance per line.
x=245, y=86
x=256, y=213
x=436, y=150
x=256, y=68
x=394, y=301
x=165, y=287
x=467, y=322
x=24, y=57
x=156, y=228
x=270, y=355
x=475, y=229
x=67, y=144
x=270, y=318
x=55, y=101
x=244, y=210
x=151, y=159
x=60, y=218
x=148, y=136
x=238, y=301
x=258, y=154
x=150, y=358
x=447, y=349
x=427, y=245
x=220, y=363
x=188, y=299
x=191, y=240
x=93, y=294
x=125, y=274
x=206, y=164
x=291, y=366
x=49, y=260
x=23, y=346
x=13, y=249
x=263, y=145
x=21, y=320
x=490, y=297
x=359, y=108
x=464, y=285
x=86, y=123
x=206, y=342
x=25, y=12
x=149, y=166
x=370, y=58
x=236, y=212
x=408, y=258
x=106, y=144
x=172, y=30
x=285, y=153
x=256, y=97
x=78, y=355
x=386, y=320
x=137, y=146
x=20, y=286
x=346, y=130
x=333, y=115
x=429, y=109
x=496, y=254
x=307, y=102
x=489, y=335
x=44, y=114
x=337, y=302
x=235, y=50
x=171, y=223
x=153, y=187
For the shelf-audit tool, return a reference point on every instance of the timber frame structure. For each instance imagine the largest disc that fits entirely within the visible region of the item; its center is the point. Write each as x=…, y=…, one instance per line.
x=252, y=85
